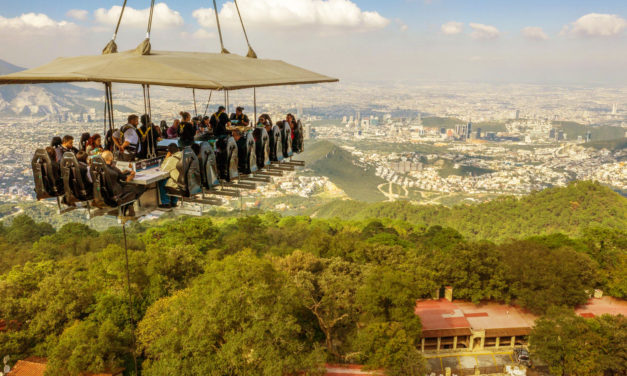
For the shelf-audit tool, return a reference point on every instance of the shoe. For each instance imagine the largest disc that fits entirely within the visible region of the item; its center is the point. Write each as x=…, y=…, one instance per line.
x=165, y=206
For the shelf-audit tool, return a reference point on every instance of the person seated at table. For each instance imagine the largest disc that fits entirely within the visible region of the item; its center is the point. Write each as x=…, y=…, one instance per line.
x=122, y=190
x=219, y=121
x=242, y=151
x=168, y=165
x=129, y=140
x=83, y=142
x=164, y=128
x=291, y=121
x=94, y=145
x=173, y=131
x=83, y=166
x=56, y=142
x=203, y=132
x=240, y=117
x=67, y=145
x=186, y=132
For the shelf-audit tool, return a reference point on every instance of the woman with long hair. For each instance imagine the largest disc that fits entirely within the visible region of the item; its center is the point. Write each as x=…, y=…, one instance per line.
x=94, y=145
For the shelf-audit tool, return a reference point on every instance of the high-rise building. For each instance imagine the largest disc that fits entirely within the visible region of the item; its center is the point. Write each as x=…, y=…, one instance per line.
x=307, y=134
x=517, y=114
x=614, y=109
x=588, y=136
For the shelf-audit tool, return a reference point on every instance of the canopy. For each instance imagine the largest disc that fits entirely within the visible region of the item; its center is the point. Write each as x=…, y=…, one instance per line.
x=214, y=71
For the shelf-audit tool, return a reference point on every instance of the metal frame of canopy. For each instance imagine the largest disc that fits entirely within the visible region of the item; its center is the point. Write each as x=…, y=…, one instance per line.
x=208, y=71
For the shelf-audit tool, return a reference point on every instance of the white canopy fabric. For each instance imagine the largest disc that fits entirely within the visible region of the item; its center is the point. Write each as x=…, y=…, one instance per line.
x=181, y=69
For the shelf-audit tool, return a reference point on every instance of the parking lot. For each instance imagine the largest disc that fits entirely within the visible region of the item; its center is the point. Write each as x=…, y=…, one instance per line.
x=468, y=361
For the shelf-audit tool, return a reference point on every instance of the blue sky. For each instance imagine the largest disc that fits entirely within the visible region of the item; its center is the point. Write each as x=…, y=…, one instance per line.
x=571, y=41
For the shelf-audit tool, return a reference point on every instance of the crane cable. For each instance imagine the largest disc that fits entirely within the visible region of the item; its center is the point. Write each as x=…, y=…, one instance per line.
x=251, y=53
x=111, y=47
x=130, y=296
x=215, y=9
x=208, y=101
x=145, y=47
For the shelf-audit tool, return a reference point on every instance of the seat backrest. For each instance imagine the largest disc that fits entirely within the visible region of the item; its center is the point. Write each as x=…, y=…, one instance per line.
x=74, y=186
x=232, y=159
x=251, y=152
x=47, y=183
x=208, y=166
x=277, y=151
x=189, y=181
x=286, y=141
x=103, y=188
x=298, y=146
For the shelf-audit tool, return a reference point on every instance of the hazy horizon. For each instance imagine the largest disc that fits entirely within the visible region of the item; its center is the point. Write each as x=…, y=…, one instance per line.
x=539, y=42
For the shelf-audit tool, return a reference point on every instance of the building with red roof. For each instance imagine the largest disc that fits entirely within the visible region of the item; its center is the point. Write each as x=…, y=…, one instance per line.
x=458, y=325
x=34, y=366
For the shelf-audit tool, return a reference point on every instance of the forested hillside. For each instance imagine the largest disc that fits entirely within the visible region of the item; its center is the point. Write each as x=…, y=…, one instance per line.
x=327, y=159
x=567, y=210
x=286, y=294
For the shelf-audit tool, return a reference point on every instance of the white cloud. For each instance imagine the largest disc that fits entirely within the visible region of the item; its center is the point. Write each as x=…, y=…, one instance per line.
x=452, y=28
x=77, y=14
x=34, y=22
x=481, y=31
x=596, y=25
x=534, y=33
x=340, y=14
x=163, y=17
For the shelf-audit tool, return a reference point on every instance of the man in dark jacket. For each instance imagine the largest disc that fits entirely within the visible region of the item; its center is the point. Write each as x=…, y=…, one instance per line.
x=219, y=121
x=122, y=190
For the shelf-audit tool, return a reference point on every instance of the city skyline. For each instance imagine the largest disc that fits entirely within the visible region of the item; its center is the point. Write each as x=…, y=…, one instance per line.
x=568, y=42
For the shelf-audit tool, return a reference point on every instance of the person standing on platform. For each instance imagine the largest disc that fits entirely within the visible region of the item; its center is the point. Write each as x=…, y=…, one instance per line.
x=240, y=117
x=187, y=132
x=130, y=145
x=219, y=121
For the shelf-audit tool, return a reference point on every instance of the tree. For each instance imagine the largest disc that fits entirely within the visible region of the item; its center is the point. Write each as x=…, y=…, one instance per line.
x=328, y=289
x=566, y=343
x=239, y=318
x=388, y=346
x=87, y=346
x=389, y=329
x=540, y=277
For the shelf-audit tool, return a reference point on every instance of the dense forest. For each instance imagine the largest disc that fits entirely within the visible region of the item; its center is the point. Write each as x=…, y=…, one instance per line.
x=270, y=295
x=567, y=210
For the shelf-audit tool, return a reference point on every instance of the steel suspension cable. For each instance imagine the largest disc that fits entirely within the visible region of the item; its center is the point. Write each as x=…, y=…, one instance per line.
x=152, y=9
x=130, y=297
x=215, y=8
x=208, y=101
x=195, y=107
x=111, y=47
x=251, y=52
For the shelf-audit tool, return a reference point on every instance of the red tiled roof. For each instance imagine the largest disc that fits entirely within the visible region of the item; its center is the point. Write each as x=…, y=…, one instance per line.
x=29, y=367
x=348, y=370
x=34, y=366
x=440, y=314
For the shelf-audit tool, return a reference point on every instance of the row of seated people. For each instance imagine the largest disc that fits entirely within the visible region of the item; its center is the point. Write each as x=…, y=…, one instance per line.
x=78, y=178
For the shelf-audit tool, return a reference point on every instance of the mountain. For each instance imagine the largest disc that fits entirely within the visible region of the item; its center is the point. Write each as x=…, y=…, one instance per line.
x=327, y=159
x=42, y=99
x=568, y=210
